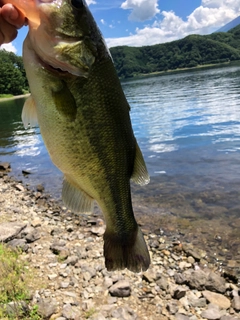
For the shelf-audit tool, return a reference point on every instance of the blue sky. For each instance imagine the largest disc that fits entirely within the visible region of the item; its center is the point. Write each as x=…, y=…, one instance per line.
x=147, y=22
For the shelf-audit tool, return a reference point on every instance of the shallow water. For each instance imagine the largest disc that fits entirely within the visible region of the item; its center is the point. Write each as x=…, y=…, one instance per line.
x=188, y=127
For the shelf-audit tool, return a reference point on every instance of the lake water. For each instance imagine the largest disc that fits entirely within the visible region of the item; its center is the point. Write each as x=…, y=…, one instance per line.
x=188, y=127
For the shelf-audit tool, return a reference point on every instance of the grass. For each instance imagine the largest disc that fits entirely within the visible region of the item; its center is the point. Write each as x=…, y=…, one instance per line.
x=6, y=96
x=15, y=287
x=90, y=313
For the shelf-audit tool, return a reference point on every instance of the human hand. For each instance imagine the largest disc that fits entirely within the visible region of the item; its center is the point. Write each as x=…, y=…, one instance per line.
x=11, y=19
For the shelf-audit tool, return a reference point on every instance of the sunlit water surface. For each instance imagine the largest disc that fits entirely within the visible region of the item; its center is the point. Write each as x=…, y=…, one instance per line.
x=188, y=127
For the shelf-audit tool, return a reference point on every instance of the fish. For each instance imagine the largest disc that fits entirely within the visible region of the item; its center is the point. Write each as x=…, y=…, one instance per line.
x=84, y=118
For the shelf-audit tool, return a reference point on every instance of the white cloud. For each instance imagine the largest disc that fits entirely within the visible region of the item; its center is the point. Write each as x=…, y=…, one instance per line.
x=103, y=22
x=90, y=2
x=9, y=47
x=141, y=9
x=207, y=18
x=212, y=3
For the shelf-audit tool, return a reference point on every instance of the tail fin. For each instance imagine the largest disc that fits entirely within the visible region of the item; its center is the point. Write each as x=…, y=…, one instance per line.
x=133, y=256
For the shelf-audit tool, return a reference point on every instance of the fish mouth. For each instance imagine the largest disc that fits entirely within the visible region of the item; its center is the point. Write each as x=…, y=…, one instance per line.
x=54, y=69
x=58, y=67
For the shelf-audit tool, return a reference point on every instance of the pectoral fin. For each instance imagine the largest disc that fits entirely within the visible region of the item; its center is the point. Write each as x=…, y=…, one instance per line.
x=76, y=199
x=140, y=173
x=65, y=103
x=29, y=113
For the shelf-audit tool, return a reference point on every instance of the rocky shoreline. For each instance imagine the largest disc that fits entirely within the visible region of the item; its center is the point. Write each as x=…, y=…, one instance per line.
x=66, y=251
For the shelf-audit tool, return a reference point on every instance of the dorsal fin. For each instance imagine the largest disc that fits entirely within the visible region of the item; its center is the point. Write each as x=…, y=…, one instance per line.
x=76, y=199
x=140, y=174
x=29, y=113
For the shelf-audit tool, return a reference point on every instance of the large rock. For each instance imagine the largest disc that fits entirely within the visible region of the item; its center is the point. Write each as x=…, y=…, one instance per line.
x=19, y=244
x=217, y=299
x=33, y=236
x=71, y=312
x=9, y=230
x=195, y=279
x=215, y=283
x=46, y=307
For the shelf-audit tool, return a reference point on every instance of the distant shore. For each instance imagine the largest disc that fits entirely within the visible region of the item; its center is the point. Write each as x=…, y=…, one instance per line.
x=181, y=70
x=15, y=97
x=178, y=70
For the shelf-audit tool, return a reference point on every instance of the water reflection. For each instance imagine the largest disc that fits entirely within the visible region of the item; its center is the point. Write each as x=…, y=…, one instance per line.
x=181, y=113
x=14, y=139
x=24, y=148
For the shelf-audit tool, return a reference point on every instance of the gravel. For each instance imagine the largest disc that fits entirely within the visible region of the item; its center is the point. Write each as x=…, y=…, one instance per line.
x=66, y=250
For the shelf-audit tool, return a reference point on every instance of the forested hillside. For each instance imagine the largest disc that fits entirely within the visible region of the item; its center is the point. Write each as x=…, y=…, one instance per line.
x=12, y=74
x=192, y=51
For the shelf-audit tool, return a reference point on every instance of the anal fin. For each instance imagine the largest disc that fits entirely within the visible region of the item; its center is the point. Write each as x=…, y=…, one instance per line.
x=29, y=113
x=140, y=174
x=76, y=199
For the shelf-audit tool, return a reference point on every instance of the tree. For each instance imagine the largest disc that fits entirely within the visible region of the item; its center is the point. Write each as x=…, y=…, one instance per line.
x=12, y=74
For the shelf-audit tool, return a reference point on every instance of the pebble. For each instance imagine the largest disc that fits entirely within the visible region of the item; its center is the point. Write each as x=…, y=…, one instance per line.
x=212, y=313
x=172, y=307
x=236, y=303
x=120, y=289
x=67, y=253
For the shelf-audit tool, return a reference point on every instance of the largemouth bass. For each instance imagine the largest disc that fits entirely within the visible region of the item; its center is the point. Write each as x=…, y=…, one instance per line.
x=78, y=101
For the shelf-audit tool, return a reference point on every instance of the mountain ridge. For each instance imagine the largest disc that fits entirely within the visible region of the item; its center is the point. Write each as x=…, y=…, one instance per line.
x=191, y=51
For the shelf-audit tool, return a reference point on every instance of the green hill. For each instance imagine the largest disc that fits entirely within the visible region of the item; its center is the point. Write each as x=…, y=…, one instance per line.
x=192, y=51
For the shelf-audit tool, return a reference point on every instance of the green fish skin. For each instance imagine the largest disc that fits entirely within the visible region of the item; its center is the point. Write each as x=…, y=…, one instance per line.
x=78, y=101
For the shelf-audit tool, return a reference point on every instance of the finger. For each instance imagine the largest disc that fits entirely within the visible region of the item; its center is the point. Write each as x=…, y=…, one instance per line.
x=12, y=15
x=7, y=31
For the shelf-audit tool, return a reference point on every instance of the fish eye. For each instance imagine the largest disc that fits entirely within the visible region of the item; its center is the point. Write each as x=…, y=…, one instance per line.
x=77, y=4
